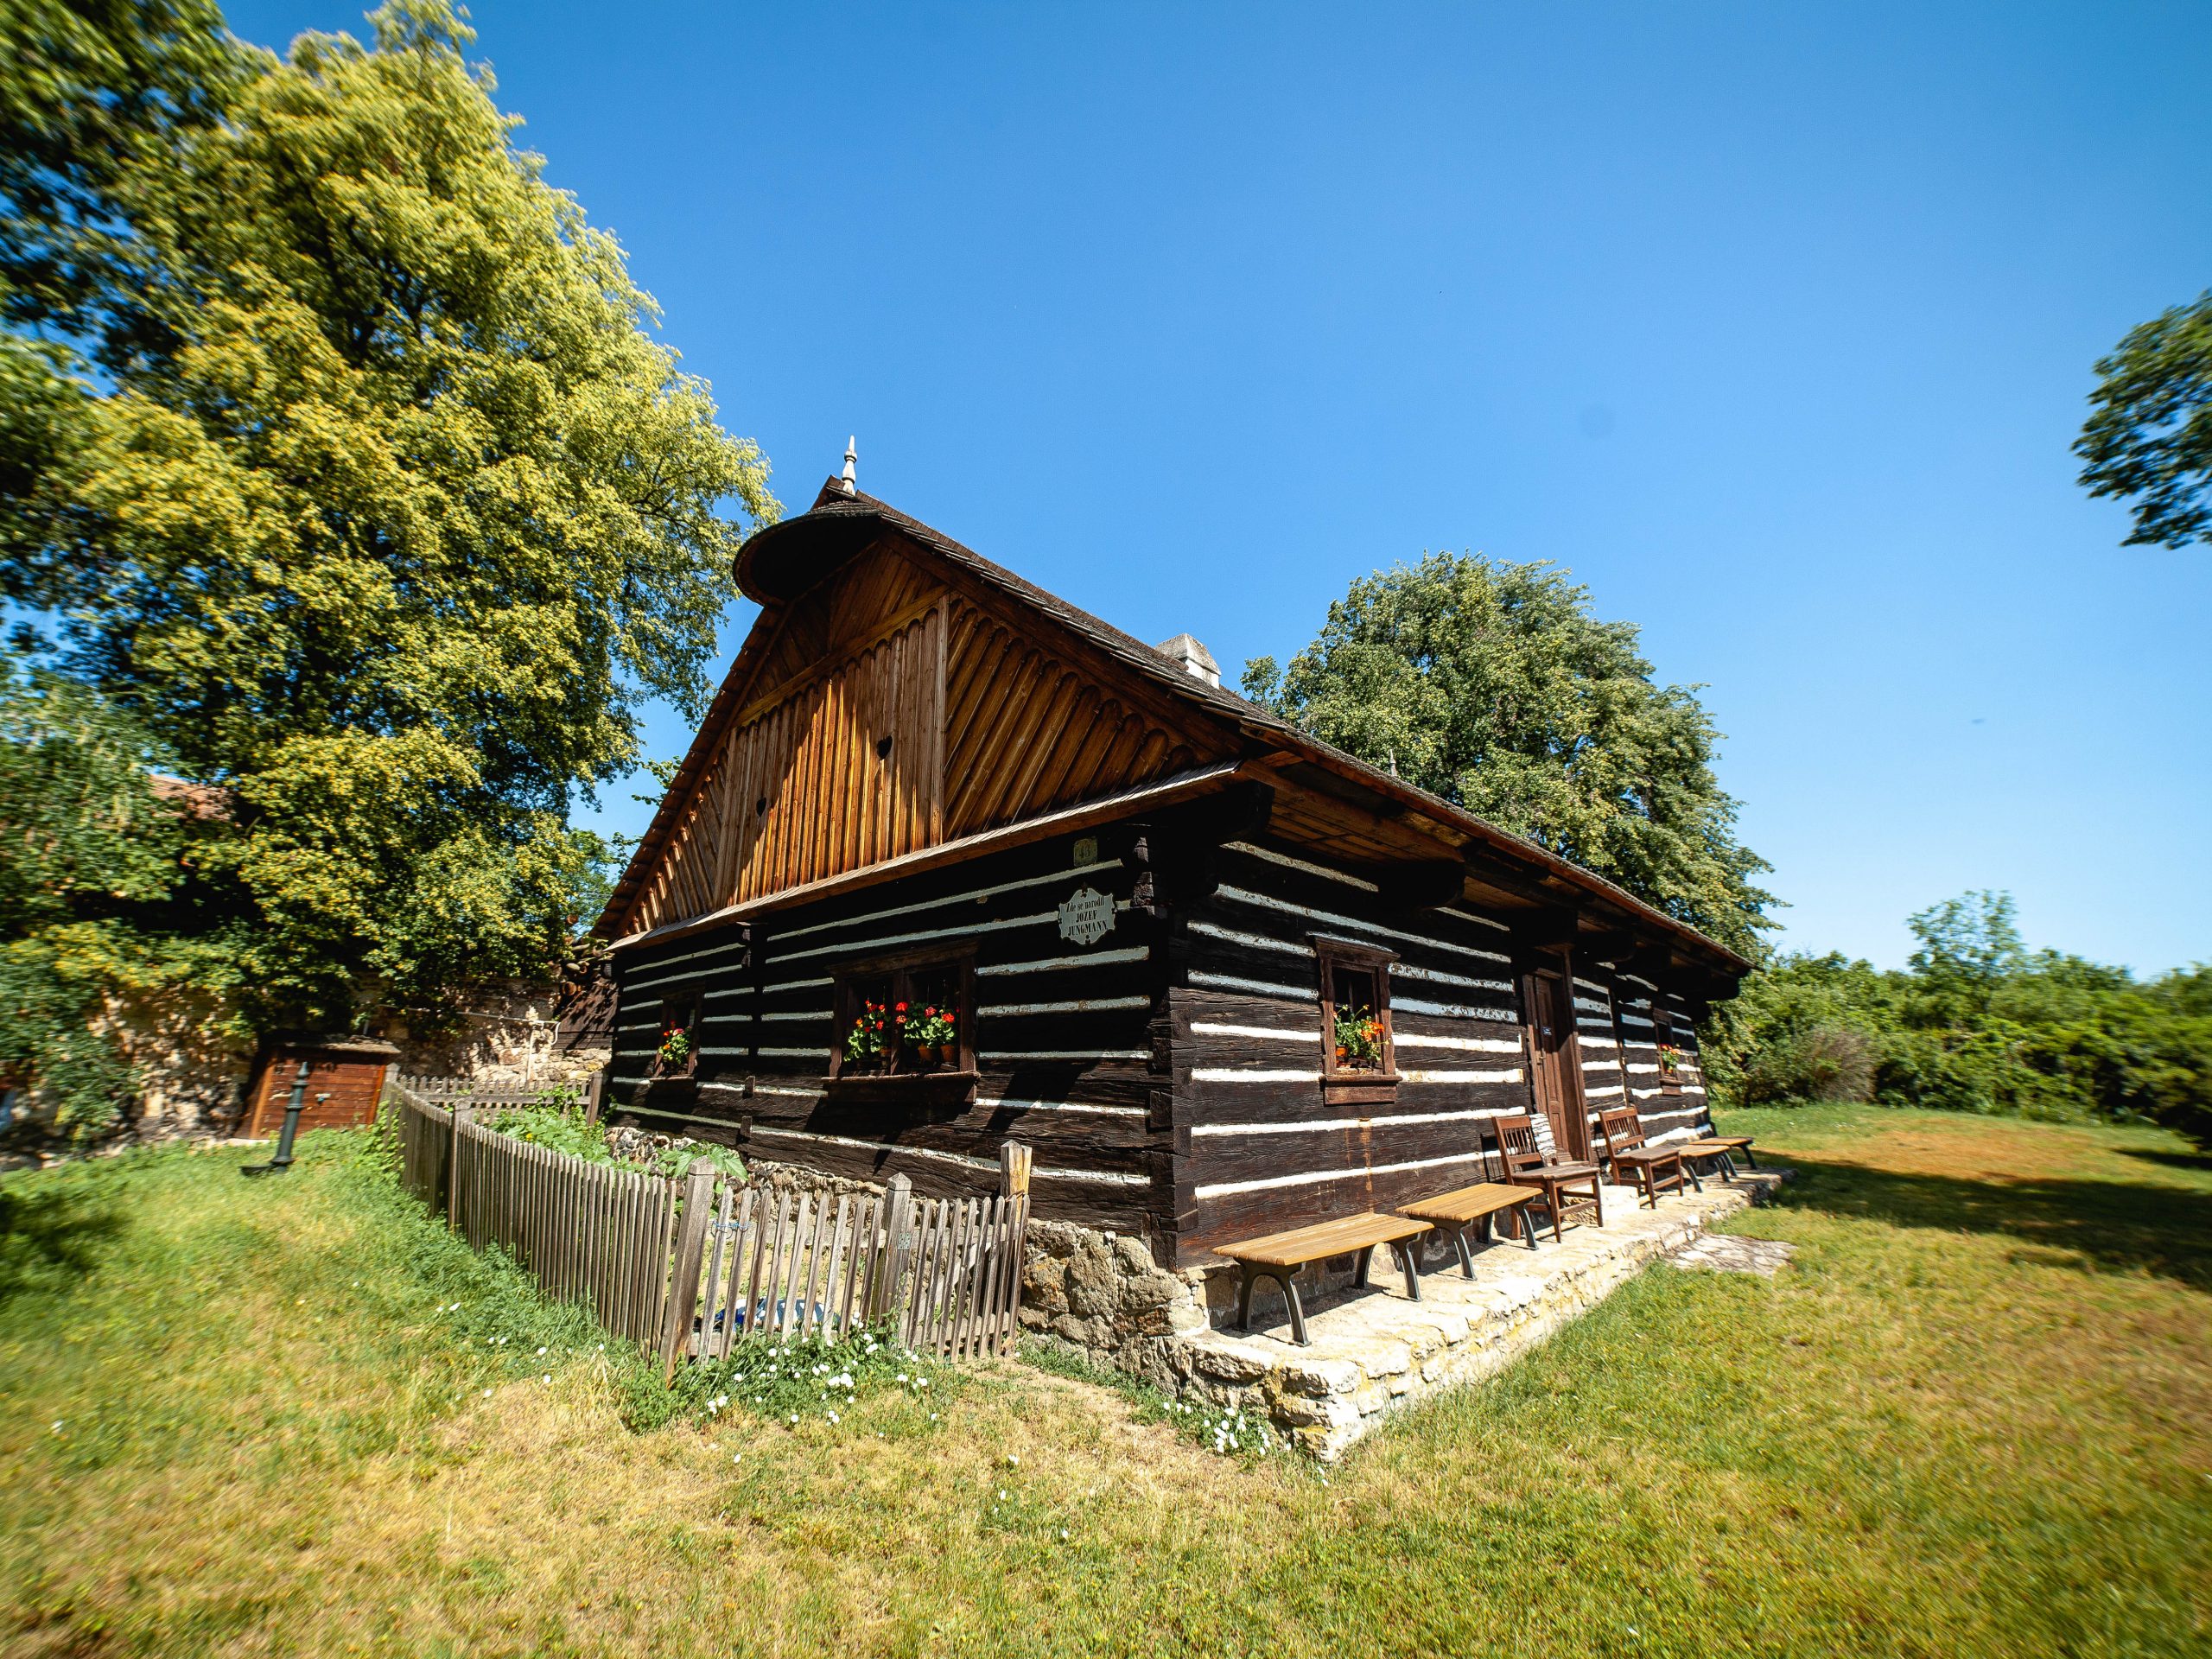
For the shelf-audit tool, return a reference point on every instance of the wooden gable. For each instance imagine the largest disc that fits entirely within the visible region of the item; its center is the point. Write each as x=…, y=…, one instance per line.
x=894, y=706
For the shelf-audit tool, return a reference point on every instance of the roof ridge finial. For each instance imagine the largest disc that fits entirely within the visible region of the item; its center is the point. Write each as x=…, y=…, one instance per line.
x=851, y=486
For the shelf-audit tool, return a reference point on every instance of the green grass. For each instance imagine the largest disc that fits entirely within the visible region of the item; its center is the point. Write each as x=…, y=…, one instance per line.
x=1975, y=1416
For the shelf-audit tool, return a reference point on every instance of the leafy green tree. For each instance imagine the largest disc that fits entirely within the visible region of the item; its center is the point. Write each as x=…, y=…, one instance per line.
x=87, y=89
x=387, y=516
x=1492, y=685
x=2149, y=435
x=93, y=860
x=1968, y=947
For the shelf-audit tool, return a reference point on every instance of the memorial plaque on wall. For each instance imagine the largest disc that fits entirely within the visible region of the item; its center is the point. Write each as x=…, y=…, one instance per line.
x=1087, y=916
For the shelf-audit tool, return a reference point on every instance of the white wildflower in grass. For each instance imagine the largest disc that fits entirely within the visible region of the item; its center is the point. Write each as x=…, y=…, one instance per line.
x=57, y=1428
x=833, y=1416
x=548, y=1377
x=541, y=1350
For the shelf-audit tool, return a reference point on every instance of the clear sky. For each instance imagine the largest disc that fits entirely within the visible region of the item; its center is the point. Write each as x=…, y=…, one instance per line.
x=1772, y=323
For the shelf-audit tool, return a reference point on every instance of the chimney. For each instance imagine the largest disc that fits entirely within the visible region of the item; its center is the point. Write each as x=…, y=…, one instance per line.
x=1195, y=659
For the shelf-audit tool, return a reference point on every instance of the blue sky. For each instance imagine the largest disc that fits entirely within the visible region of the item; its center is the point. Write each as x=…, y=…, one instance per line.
x=1773, y=324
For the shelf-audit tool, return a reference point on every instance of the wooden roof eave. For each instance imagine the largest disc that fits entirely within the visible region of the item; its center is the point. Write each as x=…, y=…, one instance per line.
x=1496, y=857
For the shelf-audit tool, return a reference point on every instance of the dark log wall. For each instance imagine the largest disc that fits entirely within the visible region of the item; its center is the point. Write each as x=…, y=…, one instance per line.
x=1258, y=1145
x=1664, y=1117
x=1169, y=1077
x=1598, y=1043
x=1063, y=1034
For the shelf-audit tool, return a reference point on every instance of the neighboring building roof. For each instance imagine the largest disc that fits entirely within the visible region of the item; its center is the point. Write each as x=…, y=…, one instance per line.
x=784, y=560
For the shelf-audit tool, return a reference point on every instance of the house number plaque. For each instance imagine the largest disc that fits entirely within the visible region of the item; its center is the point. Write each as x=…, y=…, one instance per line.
x=1087, y=916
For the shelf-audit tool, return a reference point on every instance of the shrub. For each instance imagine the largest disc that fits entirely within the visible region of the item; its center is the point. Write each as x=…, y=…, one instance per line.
x=1977, y=1023
x=1826, y=1062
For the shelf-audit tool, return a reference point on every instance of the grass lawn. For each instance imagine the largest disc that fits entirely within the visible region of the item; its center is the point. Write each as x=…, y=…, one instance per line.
x=1975, y=1416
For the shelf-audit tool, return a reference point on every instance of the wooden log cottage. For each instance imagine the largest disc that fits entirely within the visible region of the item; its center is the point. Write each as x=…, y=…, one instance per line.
x=950, y=863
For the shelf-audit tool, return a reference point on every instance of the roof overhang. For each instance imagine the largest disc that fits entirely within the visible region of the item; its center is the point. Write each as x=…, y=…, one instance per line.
x=781, y=561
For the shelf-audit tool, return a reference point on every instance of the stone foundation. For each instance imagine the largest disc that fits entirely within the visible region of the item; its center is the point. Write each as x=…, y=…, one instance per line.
x=1104, y=1293
x=1373, y=1349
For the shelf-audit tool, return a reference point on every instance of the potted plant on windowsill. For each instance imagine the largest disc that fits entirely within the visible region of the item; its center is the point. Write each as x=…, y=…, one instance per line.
x=1359, y=1041
x=1670, y=1061
x=936, y=1037
x=677, y=1055
x=872, y=1044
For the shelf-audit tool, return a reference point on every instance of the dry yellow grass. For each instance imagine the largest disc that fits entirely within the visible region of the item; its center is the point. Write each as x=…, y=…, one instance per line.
x=1974, y=1417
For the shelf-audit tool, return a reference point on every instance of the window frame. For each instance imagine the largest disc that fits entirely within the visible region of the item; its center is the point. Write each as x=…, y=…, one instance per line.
x=680, y=1012
x=901, y=969
x=1662, y=1036
x=1351, y=1084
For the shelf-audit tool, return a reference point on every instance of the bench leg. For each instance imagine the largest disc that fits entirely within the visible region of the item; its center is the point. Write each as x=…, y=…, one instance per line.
x=1459, y=1241
x=1244, y=1299
x=1748, y=1159
x=1289, y=1283
x=1410, y=1262
x=1366, y=1260
x=1527, y=1224
x=1689, y=1169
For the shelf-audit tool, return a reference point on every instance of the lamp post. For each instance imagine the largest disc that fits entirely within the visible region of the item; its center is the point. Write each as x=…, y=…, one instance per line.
x=283, y=1160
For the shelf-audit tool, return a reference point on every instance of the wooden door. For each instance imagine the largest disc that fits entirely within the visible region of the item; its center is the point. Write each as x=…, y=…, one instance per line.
x=1554, y=1069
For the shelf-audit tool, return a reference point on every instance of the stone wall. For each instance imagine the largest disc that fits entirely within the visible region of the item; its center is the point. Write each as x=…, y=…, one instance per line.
x=508, y=1033
x=193, y=1079
x=1104, y=1293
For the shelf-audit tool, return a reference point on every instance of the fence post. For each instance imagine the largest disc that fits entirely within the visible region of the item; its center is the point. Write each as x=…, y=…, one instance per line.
x=1014, y=1195
x=690, y=1244
x=452, y=1164
x=595, y=1093
x=898, y=1246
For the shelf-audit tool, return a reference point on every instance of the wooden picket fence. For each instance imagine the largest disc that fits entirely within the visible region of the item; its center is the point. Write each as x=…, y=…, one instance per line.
x=693, y=1265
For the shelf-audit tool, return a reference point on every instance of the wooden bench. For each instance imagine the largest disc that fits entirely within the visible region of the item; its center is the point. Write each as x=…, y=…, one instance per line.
x=1711, y=1143
x=1279, y=1256
x=1476, y=1206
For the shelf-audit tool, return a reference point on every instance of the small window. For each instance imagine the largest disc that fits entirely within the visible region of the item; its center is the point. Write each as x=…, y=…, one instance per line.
x=1356, y=1042
x=905, y=1017
x=1672, y=1059
x=678, y=1053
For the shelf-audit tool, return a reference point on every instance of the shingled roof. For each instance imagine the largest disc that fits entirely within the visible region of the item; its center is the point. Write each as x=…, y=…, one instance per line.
x=784, y=559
